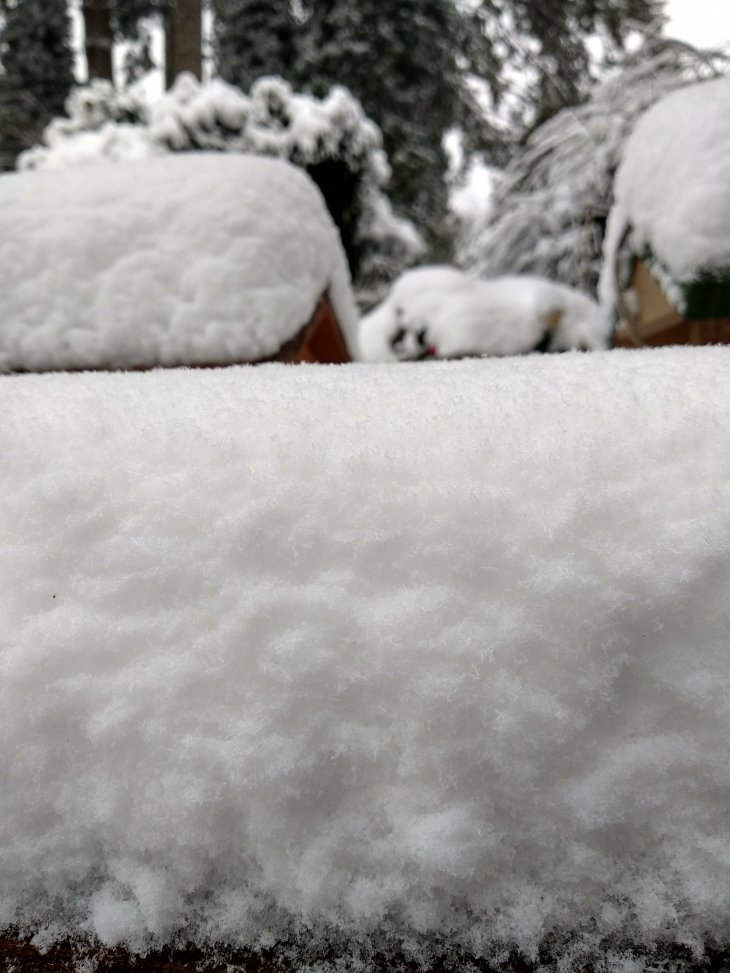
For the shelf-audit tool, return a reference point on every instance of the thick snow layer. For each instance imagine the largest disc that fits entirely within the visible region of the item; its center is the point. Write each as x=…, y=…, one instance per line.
x=426, y=658
x=183, y=259
x=673, y=189
x=273, y=120
x=445, y=313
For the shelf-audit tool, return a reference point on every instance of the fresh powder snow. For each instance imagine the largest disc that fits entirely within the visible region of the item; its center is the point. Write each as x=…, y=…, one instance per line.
x=188, y=259
x=442, y=312
x=672, y=191
x=272, y=120
x=418, y=660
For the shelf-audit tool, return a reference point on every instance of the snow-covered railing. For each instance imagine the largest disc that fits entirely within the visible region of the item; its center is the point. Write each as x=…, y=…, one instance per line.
x=423, y=662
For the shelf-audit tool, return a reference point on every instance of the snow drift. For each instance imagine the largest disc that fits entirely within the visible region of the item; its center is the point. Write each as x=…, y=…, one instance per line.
x=417, y=659
x=194, y=259
x=442, y=312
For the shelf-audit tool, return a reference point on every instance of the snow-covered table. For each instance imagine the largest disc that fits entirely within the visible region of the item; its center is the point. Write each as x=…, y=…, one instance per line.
x=192, y=259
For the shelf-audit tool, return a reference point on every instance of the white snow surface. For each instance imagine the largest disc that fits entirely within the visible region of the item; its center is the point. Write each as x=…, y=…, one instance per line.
x=459, y=314
x=673, y=189
x=186, y=259
x=272, y=120
x=428, y=658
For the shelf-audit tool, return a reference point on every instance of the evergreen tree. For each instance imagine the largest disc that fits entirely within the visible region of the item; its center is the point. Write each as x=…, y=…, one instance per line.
x=37, y=62
x=548, y=214
x=545, y=43
x=402, y=66
x=253, y=38
x=421, y=67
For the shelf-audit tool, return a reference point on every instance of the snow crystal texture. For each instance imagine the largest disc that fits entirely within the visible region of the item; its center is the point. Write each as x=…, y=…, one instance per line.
x=414, y=655
x=673, y=189
x=456, y=314
x=191, y=259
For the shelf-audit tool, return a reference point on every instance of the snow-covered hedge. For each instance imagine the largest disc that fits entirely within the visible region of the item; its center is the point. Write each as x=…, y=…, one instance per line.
x=673, y=199
x=201, y=258
x=422, y=660
x=330, y=138
x=552, y=201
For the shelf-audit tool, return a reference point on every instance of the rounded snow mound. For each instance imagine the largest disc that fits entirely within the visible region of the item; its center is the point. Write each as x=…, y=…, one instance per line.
x=191, y=259
x=445, y=669
x=443, y=312
x=672, y=189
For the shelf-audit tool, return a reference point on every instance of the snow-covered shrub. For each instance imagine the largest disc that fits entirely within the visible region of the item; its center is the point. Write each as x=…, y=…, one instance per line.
x=146, y=262
x=552, y=201
x=441, y=312
x=408, y=660
x=672, y=201
x=330, y=138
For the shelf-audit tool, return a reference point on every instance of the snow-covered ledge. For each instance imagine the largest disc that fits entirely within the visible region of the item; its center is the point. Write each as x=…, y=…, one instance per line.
x=420, y=659
x=192, y=259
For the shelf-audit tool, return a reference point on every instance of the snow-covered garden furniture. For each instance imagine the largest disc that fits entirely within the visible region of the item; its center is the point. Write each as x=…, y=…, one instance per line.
x=384, y=667
x=330, y=138
x=667, y=257
x=198, y=259
x=443, y=312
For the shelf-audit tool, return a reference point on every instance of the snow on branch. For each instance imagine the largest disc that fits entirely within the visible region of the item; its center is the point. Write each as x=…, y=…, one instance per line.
x=553, y=200
x=315, y=134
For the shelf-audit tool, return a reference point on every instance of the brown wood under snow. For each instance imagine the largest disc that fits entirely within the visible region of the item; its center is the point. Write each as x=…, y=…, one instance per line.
x=657, y=322
x=319, y=341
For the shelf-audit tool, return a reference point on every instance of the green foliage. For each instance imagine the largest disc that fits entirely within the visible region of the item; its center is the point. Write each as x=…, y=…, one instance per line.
x=37, y=62
x=423, y=67
x=550, y=205
x=708, y=297
x=253, y=38
x=403, y=69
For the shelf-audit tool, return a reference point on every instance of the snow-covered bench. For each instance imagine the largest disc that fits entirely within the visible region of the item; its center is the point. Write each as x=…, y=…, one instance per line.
x=194, y=259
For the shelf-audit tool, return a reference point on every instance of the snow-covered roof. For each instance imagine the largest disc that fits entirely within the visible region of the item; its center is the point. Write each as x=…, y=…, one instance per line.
x=453, y=314
x=443, y=670
x=186, y=259
x=673, y=190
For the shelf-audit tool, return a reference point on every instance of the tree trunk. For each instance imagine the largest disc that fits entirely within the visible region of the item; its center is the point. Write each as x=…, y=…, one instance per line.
x=98, y=29
x=183, y=39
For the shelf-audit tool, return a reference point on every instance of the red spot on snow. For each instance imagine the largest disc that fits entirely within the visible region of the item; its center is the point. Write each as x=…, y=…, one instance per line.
x=432, y=351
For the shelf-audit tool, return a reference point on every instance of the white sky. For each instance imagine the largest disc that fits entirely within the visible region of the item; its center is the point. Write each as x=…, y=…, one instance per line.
x=704, y=23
